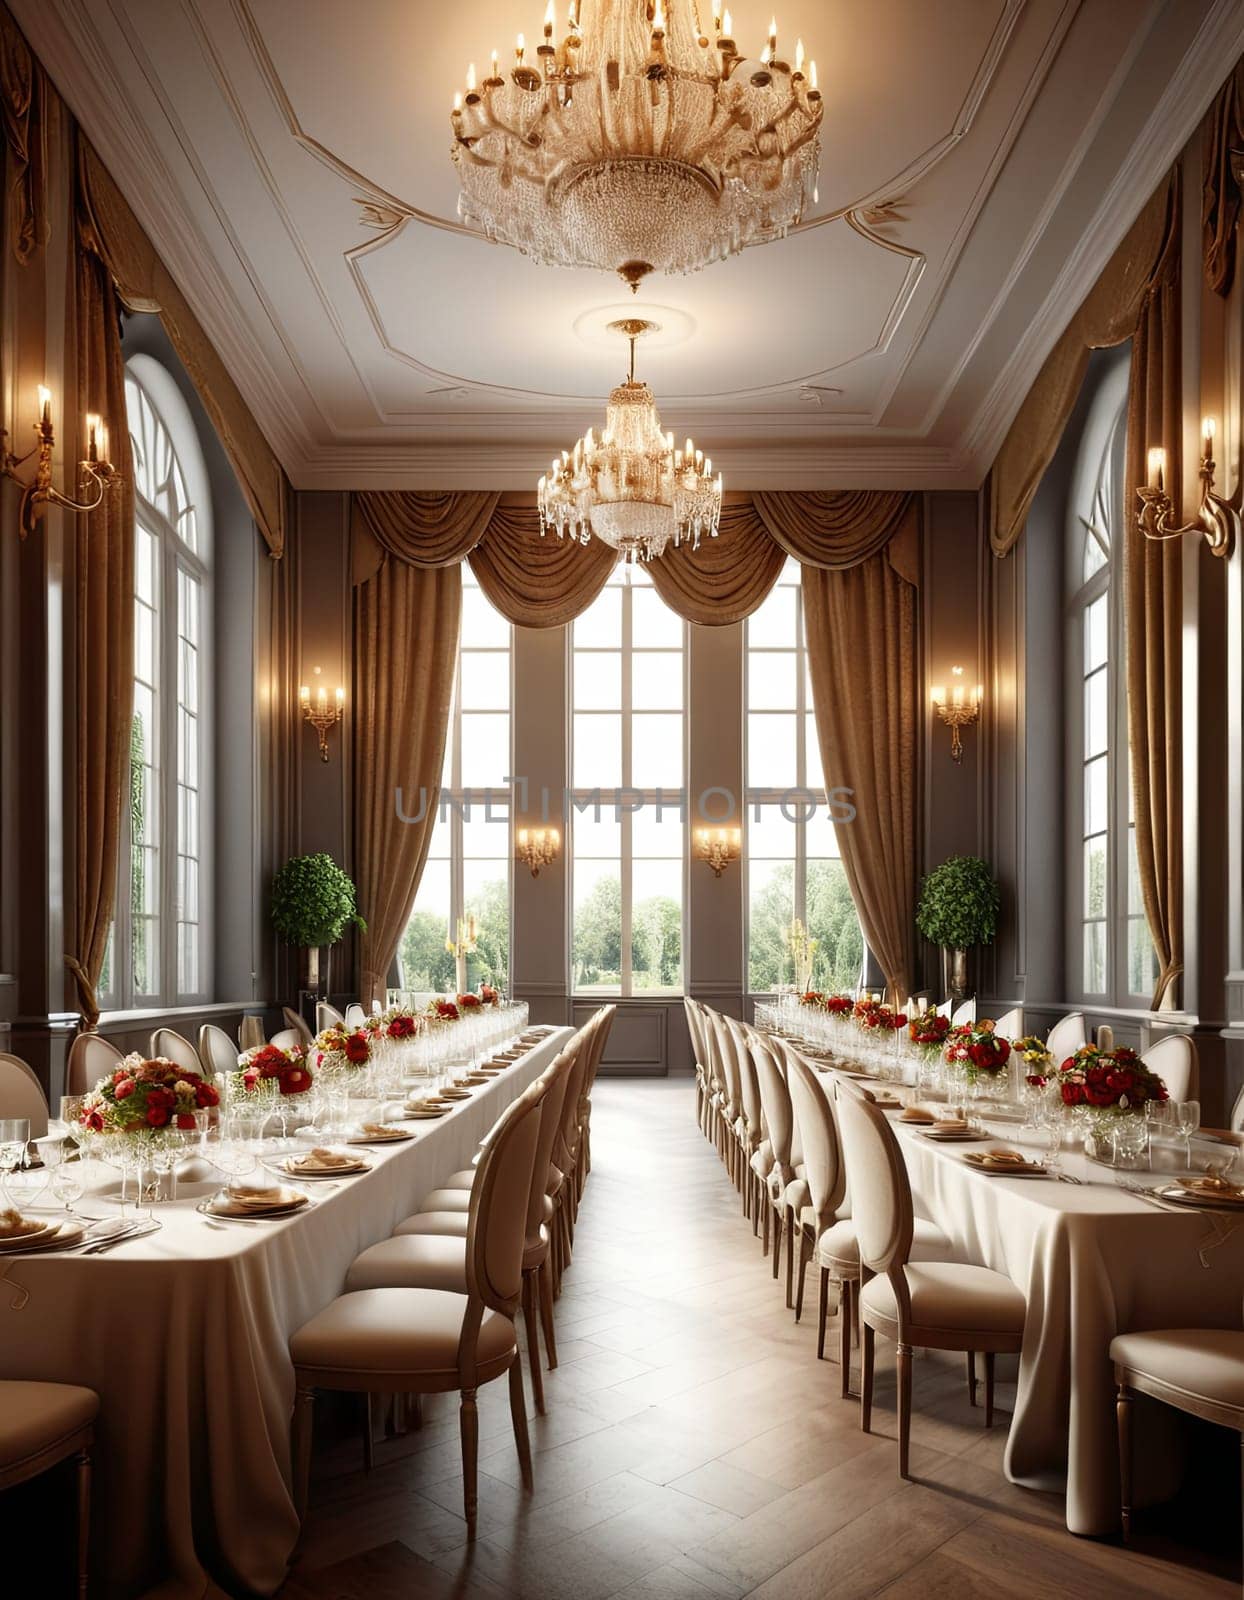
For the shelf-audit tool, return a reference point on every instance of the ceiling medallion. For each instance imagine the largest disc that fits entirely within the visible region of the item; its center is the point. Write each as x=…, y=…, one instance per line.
x=635, y=144
x=631, y=487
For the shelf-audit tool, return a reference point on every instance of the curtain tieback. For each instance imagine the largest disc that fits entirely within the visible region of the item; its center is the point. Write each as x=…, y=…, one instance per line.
x=88, y=1002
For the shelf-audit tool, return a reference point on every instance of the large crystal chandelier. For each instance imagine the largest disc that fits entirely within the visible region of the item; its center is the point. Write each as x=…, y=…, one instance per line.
x=636, y=143
x=631, y=486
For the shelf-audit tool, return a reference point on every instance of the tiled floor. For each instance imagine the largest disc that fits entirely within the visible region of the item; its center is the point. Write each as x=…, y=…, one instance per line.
x=694, y=1447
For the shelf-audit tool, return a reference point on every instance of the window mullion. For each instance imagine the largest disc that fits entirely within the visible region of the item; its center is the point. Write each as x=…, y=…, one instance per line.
x=625, y=976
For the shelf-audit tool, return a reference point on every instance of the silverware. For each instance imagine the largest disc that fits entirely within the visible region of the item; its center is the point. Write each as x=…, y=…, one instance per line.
x=1141, y=1193
x=1066, y=1177
x=137, y=1231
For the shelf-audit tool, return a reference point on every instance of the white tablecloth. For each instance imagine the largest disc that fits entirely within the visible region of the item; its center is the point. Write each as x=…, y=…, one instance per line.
x=1092, y=1261
x=184, y=1335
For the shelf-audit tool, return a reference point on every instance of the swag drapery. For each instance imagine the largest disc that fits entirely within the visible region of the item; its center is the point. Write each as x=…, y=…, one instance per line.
x=1137, y=297
x=859, y=554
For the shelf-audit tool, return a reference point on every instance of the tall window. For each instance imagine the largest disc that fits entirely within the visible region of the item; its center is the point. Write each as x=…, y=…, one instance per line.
x=160, y=949
x=467, y=873
x=793, y=865
x=627, y=834
x=1111, y=956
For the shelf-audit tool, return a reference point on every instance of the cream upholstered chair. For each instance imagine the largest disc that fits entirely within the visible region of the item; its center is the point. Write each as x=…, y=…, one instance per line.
x=755, y=1151
x=946, y=1007
x=217, y=1050
x=826, y=1179
x=296, y=1021
x=41, y=1425
x=286, y=1039
x=90, y=1059
x=1174, y=1060
x=583, y=1165
x=434, y=1341
x=1237, y=1114
x=937, y=1305
x=438, y=1260
x=327, y=1016
x=718, y=1094
x=355, y=1016
x=1066, y=1037
x=1011, y=1023
x=170, y=1045
x=1198, y=1370
x=700, y=1060
x=735, y=1126
x=21, y=1094
x=780, y=1126
x=251, y=1032
x=964, y=1013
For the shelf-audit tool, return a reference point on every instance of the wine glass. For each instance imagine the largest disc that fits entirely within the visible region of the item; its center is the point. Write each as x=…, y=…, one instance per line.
x=64, y=1182
x=1052, y=1125
x=1187, y=1121
x=14, y=1136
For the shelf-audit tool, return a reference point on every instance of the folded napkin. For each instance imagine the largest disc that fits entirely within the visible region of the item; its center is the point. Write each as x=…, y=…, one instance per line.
x=254, y=1194
x=1212, y=1182
x=917, y=1114
x=381, y=1130
x=322, y=1160
x=1005, y=1158
x=950, y=1125
x=15, y=1226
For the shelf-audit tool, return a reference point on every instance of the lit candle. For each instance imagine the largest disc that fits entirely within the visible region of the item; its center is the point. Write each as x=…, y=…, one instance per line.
x=798, y=55
x=304, y=696
x=727, y=24
x=1208, y=429
x=457, y=101
x=321, y=696
x=519, y=48
x=956, y=694
x=773, y=39
x=522, y=836
x=102, y=432
x=1157, y=468
x=812, y=77
x=341, y=697
x=938, y=694
x=495, y=64
x=45, y=406
x=471, y=78
x=550, y=17
x=658, y=19
x=977, y=695
x=92, y=436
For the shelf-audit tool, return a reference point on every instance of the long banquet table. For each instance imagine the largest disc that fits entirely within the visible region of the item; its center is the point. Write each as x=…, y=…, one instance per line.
x=1092, y=1261
x=184, y=1335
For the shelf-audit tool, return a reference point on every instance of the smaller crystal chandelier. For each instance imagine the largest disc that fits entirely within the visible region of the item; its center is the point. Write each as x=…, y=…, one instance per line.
x=631, y=486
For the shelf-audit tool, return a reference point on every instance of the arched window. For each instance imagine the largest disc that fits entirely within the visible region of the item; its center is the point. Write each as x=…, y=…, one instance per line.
x=1110, y=953
x=161, y=946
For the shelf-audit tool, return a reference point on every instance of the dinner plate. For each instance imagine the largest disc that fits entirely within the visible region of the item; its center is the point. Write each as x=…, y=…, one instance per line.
x=219, y=1205
x=1007, y=1169
x=20, y=1241
x=1200, y=1197
x=472, y=1078
x=959, y=1136
x=391, y=1135
x=61, y=1236
x=455, y=1094
x=423, y=1113
x=295, y=1169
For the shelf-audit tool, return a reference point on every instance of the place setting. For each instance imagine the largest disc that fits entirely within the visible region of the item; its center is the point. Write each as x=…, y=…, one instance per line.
x=253, y=1202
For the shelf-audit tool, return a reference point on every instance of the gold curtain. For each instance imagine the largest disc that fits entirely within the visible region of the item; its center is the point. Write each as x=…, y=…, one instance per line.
x=427, y=529
x=103, y=636
x=1107, y=317
x=22, y=88
x=834, y=529
x=406, y=621
x=1220, y=191
x=1153, y=604
x=728, y=577
x=144, y=284
x=537, y=582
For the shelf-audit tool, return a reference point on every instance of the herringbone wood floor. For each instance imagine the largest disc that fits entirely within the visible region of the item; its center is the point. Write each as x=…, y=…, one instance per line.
x=694, y=1447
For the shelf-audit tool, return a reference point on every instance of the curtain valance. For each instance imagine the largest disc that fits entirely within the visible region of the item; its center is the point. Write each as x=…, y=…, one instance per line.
x=543, y=582
x=1223, y=149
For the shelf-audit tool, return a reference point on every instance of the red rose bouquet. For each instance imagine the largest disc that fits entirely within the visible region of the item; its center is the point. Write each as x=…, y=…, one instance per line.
x=444, y=1011
x=975, y=1048
x=469, y=1002
x=340, y=1049
x=488, y=995
x=270, y=1070
x=813, y=997
x=147, y=1096
x=928, y=1031
x=879, y=1018
x=401, y=1025
x=839, y=1005
x=1115, y=1081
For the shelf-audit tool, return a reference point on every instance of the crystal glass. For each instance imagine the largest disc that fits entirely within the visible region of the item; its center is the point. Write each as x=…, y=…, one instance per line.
x=14, y=1136
x=64, y=1179
x=1187, y=1121
x=1130, y=1142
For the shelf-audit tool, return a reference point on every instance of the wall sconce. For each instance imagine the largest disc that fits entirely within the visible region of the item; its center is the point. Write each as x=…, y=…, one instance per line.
x=718, y=847
x=536, y=848
x=960, y=711
x=319, y=713
x=1216, y=518
x=96, y=472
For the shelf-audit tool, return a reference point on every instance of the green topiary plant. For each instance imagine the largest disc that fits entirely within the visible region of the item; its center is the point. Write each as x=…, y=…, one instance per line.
x=959, y=904
x=312, y=901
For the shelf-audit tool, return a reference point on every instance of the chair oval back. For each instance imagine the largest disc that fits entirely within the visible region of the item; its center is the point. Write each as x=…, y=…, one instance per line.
x=881, y=1208
x=965, y=1013
x=298, y=1024
x=566, y=1141
x=774, y=1101
x=1066, y=1037
x=749, y=1088
x=90, y=1059
x=327, y=1016
x=816, y=1118
x=21, y=1094
x=1011, y=1023
x=712, y=1049
x=603, y=1021
x=355, y=1015
x=217, y=1051
x=729, y=1063
x=174, y=1047
x=693, y=1028
x=1174, y=1060
x=558, y=1075
x=1237, y=1114
x=946, y=1007
x=497, y=1220
x=286, y=1039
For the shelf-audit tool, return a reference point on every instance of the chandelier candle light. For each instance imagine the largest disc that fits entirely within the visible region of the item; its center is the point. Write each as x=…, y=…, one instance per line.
x=635, y=143
x=536, y=848
x=1216, y=518
x=631, y=486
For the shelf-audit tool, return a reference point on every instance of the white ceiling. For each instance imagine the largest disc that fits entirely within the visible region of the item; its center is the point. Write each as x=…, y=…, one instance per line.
x=980, y=161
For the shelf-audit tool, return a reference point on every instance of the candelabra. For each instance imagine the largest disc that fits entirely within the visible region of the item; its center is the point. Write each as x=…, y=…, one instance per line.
x=461, y=946
x=718, y=847
x=536, y=848
x=95, y=474
x=320, y=714
x=960, y=711
x=1217, y=519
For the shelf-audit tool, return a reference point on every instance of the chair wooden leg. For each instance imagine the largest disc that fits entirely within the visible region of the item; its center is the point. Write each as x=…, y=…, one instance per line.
x=805, y=1251
x=533, y=1339
x=867, y=1338
x=777, y=1241
x=989, y=1359
x=792, y=1224
x=304, y=1407
x=766, y=1221
x=468, y=1425
x=518, y=1416
x=369, y=1446
x=544, y=1297
x=822, y=1315
x=844, y=1316
x=1123, y=1414
x=84, y=1522
x=971, y=1377
x=904, y=1408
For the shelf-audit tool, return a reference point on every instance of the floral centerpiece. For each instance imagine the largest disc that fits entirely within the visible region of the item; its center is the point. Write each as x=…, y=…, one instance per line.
x=270, y=1070
x=1109, y=1091
x=339, y=1049
x=813, y=997
x=1036, y=1062
x=147, y=1097
x=977, y=1050
x=839, y=1005
x=400, y=1024
x=469, y=1002
x=488, y=996
x=879, y=1018
x=928, y=1032
x=443, y=1011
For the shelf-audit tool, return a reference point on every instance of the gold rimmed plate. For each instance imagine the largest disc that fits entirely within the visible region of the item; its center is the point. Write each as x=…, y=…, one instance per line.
x=1192, y=1195
x=424, y=1113
x=455, y=1094
x=30, y=1234
x=285, y=1202
x=295, y=1168
x=391, y=1133
x=979, y=1159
